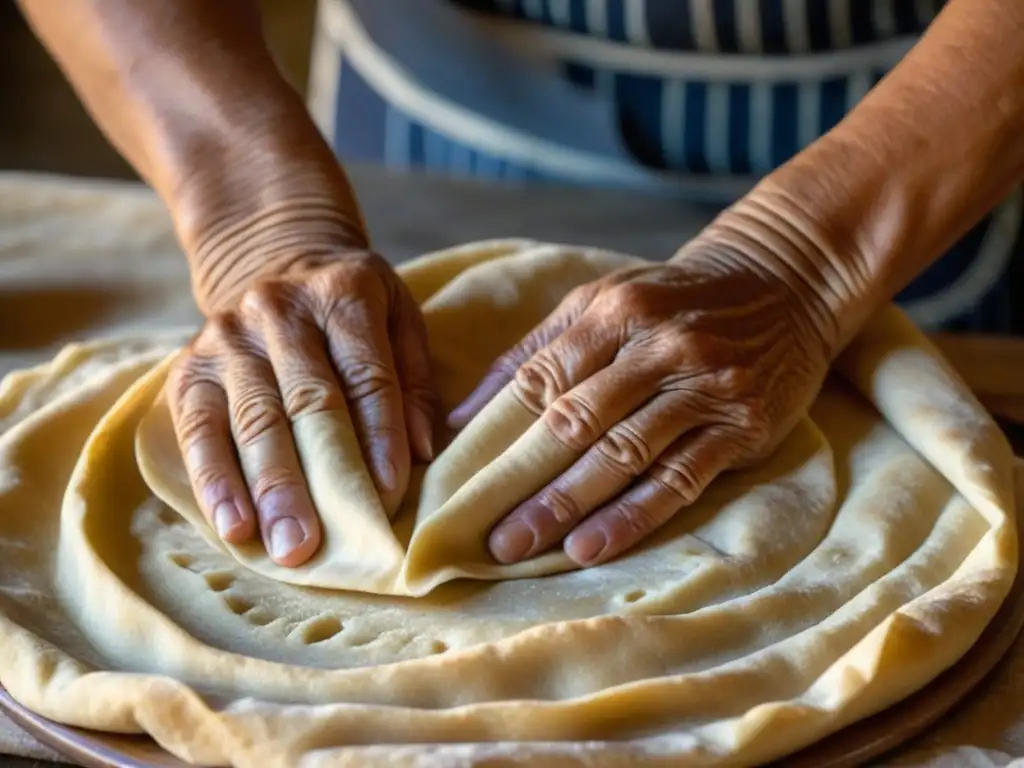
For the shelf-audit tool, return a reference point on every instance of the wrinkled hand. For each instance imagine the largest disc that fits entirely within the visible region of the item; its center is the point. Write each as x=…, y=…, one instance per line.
x=345, y=331
x=659, y=378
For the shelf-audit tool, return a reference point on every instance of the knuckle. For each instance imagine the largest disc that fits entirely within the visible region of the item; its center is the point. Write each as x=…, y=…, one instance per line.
x=382, y=433
x=362, y=275
x=577, y=295
x=211, y=479
x=266, y=299
x=182, y=377
x=344, y=318
x=221, y=332
x=366, y=262
x=191, y=414
x=628, y=299
x=308, y=397
x=540, y=381
x=584, y=293
x=562, y=506
x=255, y=413
x=625, y=451
x=735, y=448
x=365, y=380
x=276, y=481
x=554, y=326
x=638, y=519
x=194, y=425
x=678, y=476
x=573, y=422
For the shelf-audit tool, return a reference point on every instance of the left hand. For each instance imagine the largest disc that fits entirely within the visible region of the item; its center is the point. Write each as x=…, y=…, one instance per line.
x=659, y=378
x=336, y=333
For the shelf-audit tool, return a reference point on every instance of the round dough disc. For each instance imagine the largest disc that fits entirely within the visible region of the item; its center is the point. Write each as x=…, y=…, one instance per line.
x=847, y=571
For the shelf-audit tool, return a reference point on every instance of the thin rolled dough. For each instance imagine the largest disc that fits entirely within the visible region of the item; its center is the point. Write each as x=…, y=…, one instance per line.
x=857, y=563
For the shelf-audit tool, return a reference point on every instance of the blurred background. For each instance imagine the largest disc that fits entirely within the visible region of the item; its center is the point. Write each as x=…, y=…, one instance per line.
x=44, y=128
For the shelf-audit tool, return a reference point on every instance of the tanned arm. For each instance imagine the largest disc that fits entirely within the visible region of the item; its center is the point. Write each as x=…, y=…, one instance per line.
x=188, y=92
x=930, y=150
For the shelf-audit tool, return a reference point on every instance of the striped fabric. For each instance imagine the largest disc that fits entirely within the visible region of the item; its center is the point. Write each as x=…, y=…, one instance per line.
x=722, y=128
x=729, y=26
x=386, y=134
x=693, y=98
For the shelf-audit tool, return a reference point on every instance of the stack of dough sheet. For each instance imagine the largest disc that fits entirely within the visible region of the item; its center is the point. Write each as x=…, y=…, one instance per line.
x=856, y=564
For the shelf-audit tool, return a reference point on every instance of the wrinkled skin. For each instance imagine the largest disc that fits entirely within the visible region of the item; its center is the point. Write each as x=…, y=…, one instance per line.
x=190, y=95
x=659, y=378
x=312, y=340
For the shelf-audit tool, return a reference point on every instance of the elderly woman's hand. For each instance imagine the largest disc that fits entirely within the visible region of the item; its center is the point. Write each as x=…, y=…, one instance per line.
x=328, y=334
x=659, y=378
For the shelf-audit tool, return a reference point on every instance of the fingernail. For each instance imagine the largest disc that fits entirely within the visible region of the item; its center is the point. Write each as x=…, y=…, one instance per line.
x=286, y=536
x=510, y=543
x=585, y=547
x=226, y=518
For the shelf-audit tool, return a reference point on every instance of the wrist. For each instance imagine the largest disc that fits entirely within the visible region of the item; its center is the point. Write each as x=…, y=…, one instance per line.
x=260, y=201
x=286, y=237
x=918, y=162
x=774, y=233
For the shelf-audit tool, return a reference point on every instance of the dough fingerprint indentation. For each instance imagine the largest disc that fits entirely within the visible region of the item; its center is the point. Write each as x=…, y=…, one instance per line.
x=258, y=617
x=320, y=630
x=359, y=642
x=182, y=560
x=237, y=604
x=219, y=581
x=168, y=516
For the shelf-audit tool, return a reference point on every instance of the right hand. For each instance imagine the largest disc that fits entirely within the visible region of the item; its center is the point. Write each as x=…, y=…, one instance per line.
x=325, y=335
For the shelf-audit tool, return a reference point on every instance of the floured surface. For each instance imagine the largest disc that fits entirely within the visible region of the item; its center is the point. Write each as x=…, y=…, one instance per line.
x=15, y=741
x=276, y=621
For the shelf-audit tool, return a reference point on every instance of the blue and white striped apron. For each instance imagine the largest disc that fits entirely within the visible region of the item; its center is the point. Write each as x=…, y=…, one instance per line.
x=691, y=98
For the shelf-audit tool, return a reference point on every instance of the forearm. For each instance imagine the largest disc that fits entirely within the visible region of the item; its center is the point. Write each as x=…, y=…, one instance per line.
x=189, y=94
x=924, y=156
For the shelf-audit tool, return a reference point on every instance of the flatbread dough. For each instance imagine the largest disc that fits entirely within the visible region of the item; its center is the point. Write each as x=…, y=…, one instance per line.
x=857, y=563
x=500, y=459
